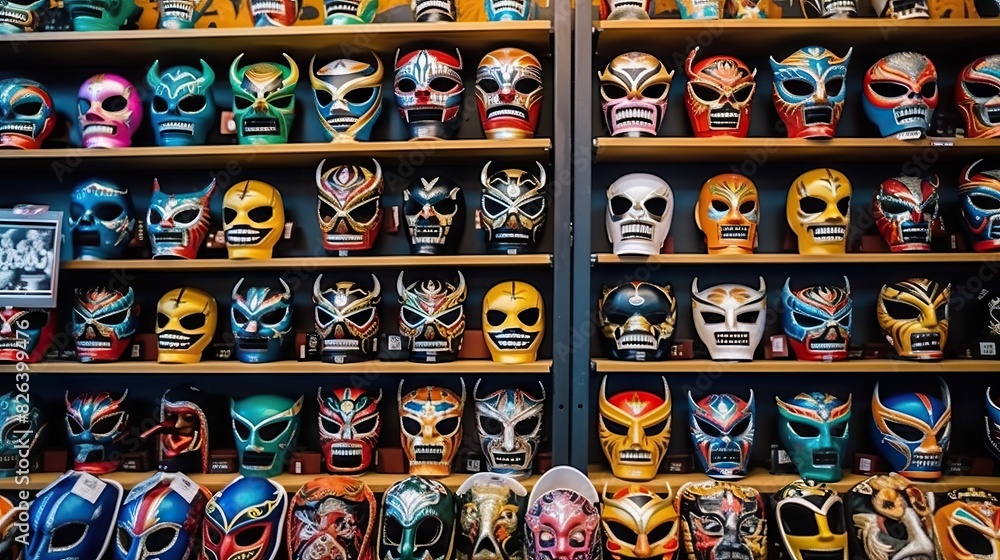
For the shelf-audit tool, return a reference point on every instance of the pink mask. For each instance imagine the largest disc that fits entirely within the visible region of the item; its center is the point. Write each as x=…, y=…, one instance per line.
x=109, y=110
x=564, y=526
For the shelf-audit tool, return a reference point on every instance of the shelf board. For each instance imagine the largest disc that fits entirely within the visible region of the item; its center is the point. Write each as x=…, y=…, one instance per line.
x=603, y=365
x=476, y=367
x=792, y=258
x=311, y=263
x=688, y=150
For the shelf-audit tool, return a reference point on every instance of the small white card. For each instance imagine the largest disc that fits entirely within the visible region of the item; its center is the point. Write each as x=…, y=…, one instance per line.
x=89, y=487
x=185, y=487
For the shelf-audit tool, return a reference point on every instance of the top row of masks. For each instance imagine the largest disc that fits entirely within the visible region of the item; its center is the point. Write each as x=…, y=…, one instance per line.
x=757, y=9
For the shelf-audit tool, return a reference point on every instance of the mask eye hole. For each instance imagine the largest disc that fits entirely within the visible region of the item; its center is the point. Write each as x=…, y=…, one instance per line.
x=448, y=426
x=364, y=213
x=490, y=426
x=360, y=95
x=807, y=321
x=249, y=536
x=32, y=320
x=798, y=520
x=748, y=317
x=411, y=426
x=282, y=102
x=656, y=206
x=493, y=207
x=323, y=97
x=838, y=430
x=392, y=532
x=525, y=86
x=411, y=318
x=228, y=215
x=654, y=91
x=488, y=85
x=617, y=317
x=896, y=530
x=615, y=427
x=720, y=206
x=329, y=426
x=107, y=212
x=154, y=217
x=741, y=427
x=187, y=217
x=613, y=92
x=451, y=317
x=160, y=540
x=941, y=311
x=495, y=318
x=124, y=540
x=68, y=536
x=406, y=85
x=985, y=202
x=657, y=317
x=889, y=90
x=428, y=532
x=981, y=90
x=834, y=86
x=620, y=205
x=27, y=109
x=261, y=214
x=904, y=432
x=162, y=321
x=656, y=429
x=901, y=311
x=361, y=318
x=749, y=525
x=241, y=103
x=107, y=425
x=272, y=431
x=192, y=103
x=797, y=88
x=713, y=317
x=75, y=428
x=812, y=205
x=844, y=205
x=893, y=207
x=709, y=429
x=532, y=208
x=705, y=94
x=748, y=207
x=443, y=84
x=446, y=207
x=367, y=426
x=742, y=93
x=193, y=321
x=242, y=430
x=115, y=318
x=803, y=430
x=275, y=317
x=835, y=518
x=621, y=532
x=114, y=103
x=660, y=532
x=928, y=90
x=530, y=316
x=527, y=427
x=212, y=534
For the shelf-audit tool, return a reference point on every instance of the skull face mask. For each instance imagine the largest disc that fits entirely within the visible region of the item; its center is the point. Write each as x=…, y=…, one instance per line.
x=967, y=524
x=639, y=212
x=729, y=319
x=432, y=316
x=253, y=217
x=901, y=94
x=261, y=321
x=912, y=431
x=25, y=334
x=913, y=315
x=104, y=320
x=513, y=322
x=21, y=16
x=244, y=520
x=817, y=321
x=161, y=518
x=433, y=11
x=350, y=12
x=634, y=90
x=22, y=425
x=509, y=94
x=818, y=209
x=95, y=423
x=889, y=518
x=349, y=207
x=101, y=220
x=508, y=10
x=718, y=95
x=430, y=420
x=263, y=100
x=407, y=506
x=905, y=209
x=813, y=428
x=435, y=215
x=626, y=9
x=514, y=209
x=347, y=319
x=267, y=430
x=722, y=429
x=727, y=211
x=99, y=15
x=348, y=94
x=429, y=89
x=811, y=521
x=109, y=111
x=183, y=109
x=562, y=517
x=275, y=13
x=490, y=524
x=349, y=428
x=185, y=325
x=809, y=91
x=977, y=94
x=74, y=517
x=637, y=321
x=634, y=429
x=722, y=520
x=979, y=202
x=834, y=9
x=27, y=114
x=509, y=422
x=178, y=223
x=332, y=518
x=639, y=523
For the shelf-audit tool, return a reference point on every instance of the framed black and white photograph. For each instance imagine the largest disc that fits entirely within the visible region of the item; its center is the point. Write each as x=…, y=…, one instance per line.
x=29, y=258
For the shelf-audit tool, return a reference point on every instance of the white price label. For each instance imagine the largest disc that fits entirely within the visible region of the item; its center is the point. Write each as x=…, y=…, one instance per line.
x=185, y=487
x=988, y=348
x=89, y=487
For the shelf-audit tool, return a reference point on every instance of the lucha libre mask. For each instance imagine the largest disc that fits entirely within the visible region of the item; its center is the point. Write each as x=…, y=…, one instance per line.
x=349, y=428
x=813, y=428
x=700, y=9
x=409, y=505
x=263, y=100
x=817, y=321
x=912, y=431
x=905, y=209
x=253, y=217
x=729, y=319
x=835, y=9
x=27, y=114
x=508, y=10
x=347, y=93
x=727, y=212
x=95, y=423
x=161, y=518
x=101, y=220
x=261, y=320
x=350, y=12
x=25, y=334
x=189, y=428
x=901, y=9
x=634, y=90
x=183, y=109
x=562, y=518
x=509, y=422
x=74, y=517
x=178, y=223
x=722, y=520
x=913, y=315
x=346, y=316
x=267, y=430
x=432, y=316
x=811, y=521
x=22, y=16
x=809, y=91
x=639, y=211
x=890, y=519
x=718, y=95
x=639, y=523
x=429, y=89
x=992, y=424
x=967, y=524
x=430, y=420
x=109, y=111
x=900, y=95
x=637, y=321
x=626, y=9
x=435, y=215
x=104, y=320
x=509, y=94
x=332, y=517
x=271, y=13
x=513, y=209
x=180, y=14
x=722, y=429
x=490, y=524
x=22, y=426
x=977, y=94
x=433, y=10
x=513, y=322
x=634, y=429
x=350, y=206
x=979, y=202
x=818, y=209
x=185, y=325
x=244, y=520
x=99, y=15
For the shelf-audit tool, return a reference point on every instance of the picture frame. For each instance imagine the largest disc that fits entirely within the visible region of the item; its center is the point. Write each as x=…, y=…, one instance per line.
x=29, y=258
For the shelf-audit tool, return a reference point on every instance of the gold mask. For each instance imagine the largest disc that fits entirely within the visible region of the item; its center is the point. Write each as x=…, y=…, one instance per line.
x=913, y=315
x=967, y=523
x=430, y=419
x=819, y=211
x=803, y=507
x=185, y=325
x=727, y=211
x=253, y=219
x=634, y=428
x=513, y=322
x=639, y=523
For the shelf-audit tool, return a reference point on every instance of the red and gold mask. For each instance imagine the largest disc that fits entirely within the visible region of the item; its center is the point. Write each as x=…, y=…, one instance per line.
x=727, y=211
x=349, y=207
x=634, y=428
x=430, y=419
x=639, y=523
x=349, y=428
x=977, y=94
x=718, y=95
x=905, y=209
x=509, y=93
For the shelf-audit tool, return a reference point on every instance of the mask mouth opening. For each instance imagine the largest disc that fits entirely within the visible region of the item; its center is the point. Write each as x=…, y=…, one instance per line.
x=178, y=238
x=925, y=342
x=98, y=342
x=426, y=8
x=176, y=340
x=86, y=238
x=820, y=345
x=245, y=235
x=100, y=129
x=340, y=120
x=336, y=7
x=431, y=345
x=428, y=454
x=344, y=238
x=734, y=232
x=836, y=7
x=14, y=17
x=914, y=232
x=341, y=344
x=14, y=343
x=97, y=11
x=634, y=116
x=94, y=456
x=429, y=235
x=177, y=10
x=636, y=341
x=267, y=7
x=717, y=457
x=16, y=127
x=511, y=235
x=425, y=115
x=732, y=553
x=824, y=458
x=818, y=115
x=509, y=111
x=346, y=455
x=904, y=8
x=725, y=117
x=256, y=344
x=912, y=115
x=258, y=460
x=175, y=128
x=824, y=233
x=991, y=115
x=513, y=339
x=517, y=6
x=925, y=461
x=635, y=456
x=636, y=230
x=260, y=126
x=509, y=459
x=732, y=338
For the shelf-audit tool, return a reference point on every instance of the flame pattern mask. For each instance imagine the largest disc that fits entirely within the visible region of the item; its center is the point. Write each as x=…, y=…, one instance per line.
x=817, y=321
x=719, y=95
x=349, y=428
x=634, y=430
x=430, y=420
x=95, y=423
x=914, y=317
x=349, y=206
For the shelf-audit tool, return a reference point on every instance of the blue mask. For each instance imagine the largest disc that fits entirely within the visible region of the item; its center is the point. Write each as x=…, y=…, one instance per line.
x=912, y=431
x=722, y=429
x=507, y=10
x=183, y=109
x=266, y=429
x=244, y=520
x=104, y=321
x=262, y=322
x=99, y=15
x=161, y=519
x=22, y=423
x=817, y=321
x=813, y=429
x=178, y=223
x=95, y=422
x=348, y=96
x=979, y=201
x=101, y=220
x=27, y=116
x=75, y=504
x=992, y=425
x=21, y=17
x=809, y=91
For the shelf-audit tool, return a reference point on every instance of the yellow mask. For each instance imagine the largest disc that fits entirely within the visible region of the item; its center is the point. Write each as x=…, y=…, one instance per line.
x=185, y=325
x=639, y=523
x=804, y=507
x=727, y=211
x=634, y=429
x=253, y=219
x=819, y=211
x=513, y=322
x=913, y=315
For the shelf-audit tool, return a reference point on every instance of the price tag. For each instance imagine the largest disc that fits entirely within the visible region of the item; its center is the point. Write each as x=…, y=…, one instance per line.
x=865, y=464
x=89, y=487
x=987, y=348
x=185, y=487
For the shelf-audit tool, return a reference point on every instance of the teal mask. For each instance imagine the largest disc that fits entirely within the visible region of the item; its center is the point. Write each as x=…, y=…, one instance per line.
x=99, y=15
x=414, y=510
x=263, y=100
x=266, y=429
x=813, y=428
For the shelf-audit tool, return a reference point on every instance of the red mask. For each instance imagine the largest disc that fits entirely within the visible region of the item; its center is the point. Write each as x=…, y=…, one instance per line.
x=509, y=93
x=977, y=94
x=331, y=518
x=25, y=334
x=350, y=206
x=718, y=95
x=349, y=428
x=905, y=209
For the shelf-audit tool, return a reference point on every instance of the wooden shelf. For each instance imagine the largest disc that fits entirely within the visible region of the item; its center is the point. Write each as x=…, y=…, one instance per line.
x=791, y=258
x=603, y=365
x=473, y=367
x=311, y=263
x=689, y=150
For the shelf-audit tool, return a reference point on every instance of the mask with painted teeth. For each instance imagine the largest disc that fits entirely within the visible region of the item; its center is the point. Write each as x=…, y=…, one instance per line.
x=722, y=521
x=433, y=11
x=267, y=430
x=626, y=9
x=809, y=91
x=349, y=428
x=729, y=319
x=432, y=316
x=99, y=15
x=95, y=423
x=634, y=430
x=430, y=420
x=900, y=95
x=263, y=100
x=513, y=322
x=722, y=429
x=514, y=208
x=350, y=12
x=185, y=325
x=509, y=422
x=890, y=518
x=346, y=317
x=835, y=9
x=979, y=202
x=349, y=207
x=912, y=431
x=817, y=321
x=902, y=9
x=977, y=94
x=408, y=507
x=180, y=14
x=429, y=90
x=275, y=13
x=348, y=96
x=634, y=89
x=639, y=211
x=727, y=211
x=637, y=320
x=183, y=109
x=811, y=522
x=508, y=10
x=253, y=217
x=261, y=321
x=22, y=426
x=101, y=220
x=331, y=517
x=27, y=114
x=435, y=215
x=109, y=111
x=104, y=321
x=913, y=315
x=639, y=523
x=509, y=93
x=813, y=428
x=178, y=223
x=905, y=210
x=818, y=209
x=25, y=334
x=21, y=16
x=719, y=95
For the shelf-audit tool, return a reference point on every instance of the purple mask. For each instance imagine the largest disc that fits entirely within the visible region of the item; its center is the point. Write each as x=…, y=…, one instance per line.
x=110, y=111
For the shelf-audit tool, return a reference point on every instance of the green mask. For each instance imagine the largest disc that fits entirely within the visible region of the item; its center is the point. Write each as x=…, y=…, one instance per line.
x=267, y=429
x=410, y=508
x=350, y=12
x=813, y=428
x=263, y=100
x=99, y=15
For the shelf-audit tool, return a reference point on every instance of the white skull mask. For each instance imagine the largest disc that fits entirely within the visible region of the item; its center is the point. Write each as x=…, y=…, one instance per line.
x=729, y=319
x=640, y=208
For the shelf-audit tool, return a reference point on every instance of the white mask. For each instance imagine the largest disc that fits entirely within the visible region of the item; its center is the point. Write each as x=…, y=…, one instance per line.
x=640, y=208
x=730, y=319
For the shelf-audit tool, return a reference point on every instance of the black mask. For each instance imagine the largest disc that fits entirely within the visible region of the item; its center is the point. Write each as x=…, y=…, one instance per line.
x=514, y=209
x=435, y=215
x=637, y=320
